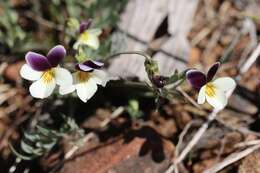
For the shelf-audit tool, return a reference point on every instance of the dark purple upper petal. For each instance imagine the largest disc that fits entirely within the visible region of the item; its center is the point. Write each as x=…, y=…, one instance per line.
x=196, y=78
x=89, y=65
x=37, y=61
x=94, y=64
x=56, y=54
x=84, y=25
x=83, y=67
x=212, y=71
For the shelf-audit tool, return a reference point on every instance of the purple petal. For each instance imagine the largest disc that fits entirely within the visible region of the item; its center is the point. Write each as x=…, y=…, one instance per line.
x=94, y=64
x=89, y=65
x=56, y=54
x=83, y=67
x=196, y=78
x=212, y=71
x=84, y=25
x=37, y=61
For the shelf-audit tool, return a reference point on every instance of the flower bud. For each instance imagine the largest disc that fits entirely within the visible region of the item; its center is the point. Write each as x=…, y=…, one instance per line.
x=84, y=25
x=159, y=81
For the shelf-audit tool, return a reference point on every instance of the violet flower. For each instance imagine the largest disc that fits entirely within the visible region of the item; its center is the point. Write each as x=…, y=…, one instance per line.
x=88, y=37
x=45, y=72
x=86, y=79
x=212, y=91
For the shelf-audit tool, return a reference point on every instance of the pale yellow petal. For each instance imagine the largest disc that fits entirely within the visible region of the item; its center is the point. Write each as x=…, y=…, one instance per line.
x=224, y=83
x=218, y=101
x=41, y=89
x=63, y=77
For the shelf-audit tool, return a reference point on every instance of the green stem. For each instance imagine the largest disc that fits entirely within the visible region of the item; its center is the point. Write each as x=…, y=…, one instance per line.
x=130, y=53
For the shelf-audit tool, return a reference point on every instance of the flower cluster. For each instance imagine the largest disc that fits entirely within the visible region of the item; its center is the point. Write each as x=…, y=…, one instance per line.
x=212, y=91
x=46, y=73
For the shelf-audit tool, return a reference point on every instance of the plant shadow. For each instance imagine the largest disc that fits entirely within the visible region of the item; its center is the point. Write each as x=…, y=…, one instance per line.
x=153, y=142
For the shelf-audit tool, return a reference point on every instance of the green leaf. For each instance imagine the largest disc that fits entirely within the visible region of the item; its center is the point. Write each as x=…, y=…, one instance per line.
x=24, y=157
x=27, y=148
x=46, y=146
x=31, y=150
x=31, y=136
x=133, y=109
x=151, y=67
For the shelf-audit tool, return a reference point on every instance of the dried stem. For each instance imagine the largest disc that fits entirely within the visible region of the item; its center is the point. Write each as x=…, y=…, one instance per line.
x=176, y=154
x=250, y=60
x=231, y=159
x=197, y=136
x=129, y=53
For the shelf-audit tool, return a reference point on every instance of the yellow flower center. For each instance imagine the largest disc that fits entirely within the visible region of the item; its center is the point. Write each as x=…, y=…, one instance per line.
x=82, y=76
x=48, y=76
x=84, y=36
x=210, y=89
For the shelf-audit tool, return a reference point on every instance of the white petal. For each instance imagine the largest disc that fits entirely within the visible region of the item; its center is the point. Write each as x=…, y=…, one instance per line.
x=218, y=101
x=100, y=77
x=63, y=77
x=39, y=89
x=28, y=73
x=95, y=32
x=91, y=87
x=66, y=89
x=92, y=41
x=224, y=83
x=86, y=90
x=202, y=95
x=76, y=45
x=90, y=38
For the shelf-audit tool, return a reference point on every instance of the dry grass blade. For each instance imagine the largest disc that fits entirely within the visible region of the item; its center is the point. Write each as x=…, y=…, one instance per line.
x=180, y=142
x=231, y=159
x=197, y=136
x=250, y=60
x=248, y=143
x=76, y=147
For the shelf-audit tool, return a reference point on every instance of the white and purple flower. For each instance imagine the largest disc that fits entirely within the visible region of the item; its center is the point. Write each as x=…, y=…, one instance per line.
x=88, y=37
x=212, y=91
x=86, y=79
x=45, y=72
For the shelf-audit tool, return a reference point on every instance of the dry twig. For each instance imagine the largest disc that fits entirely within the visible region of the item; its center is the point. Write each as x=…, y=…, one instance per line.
x=176, y=153
x=251, y=60
x=76, y=147
x=231, y=159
